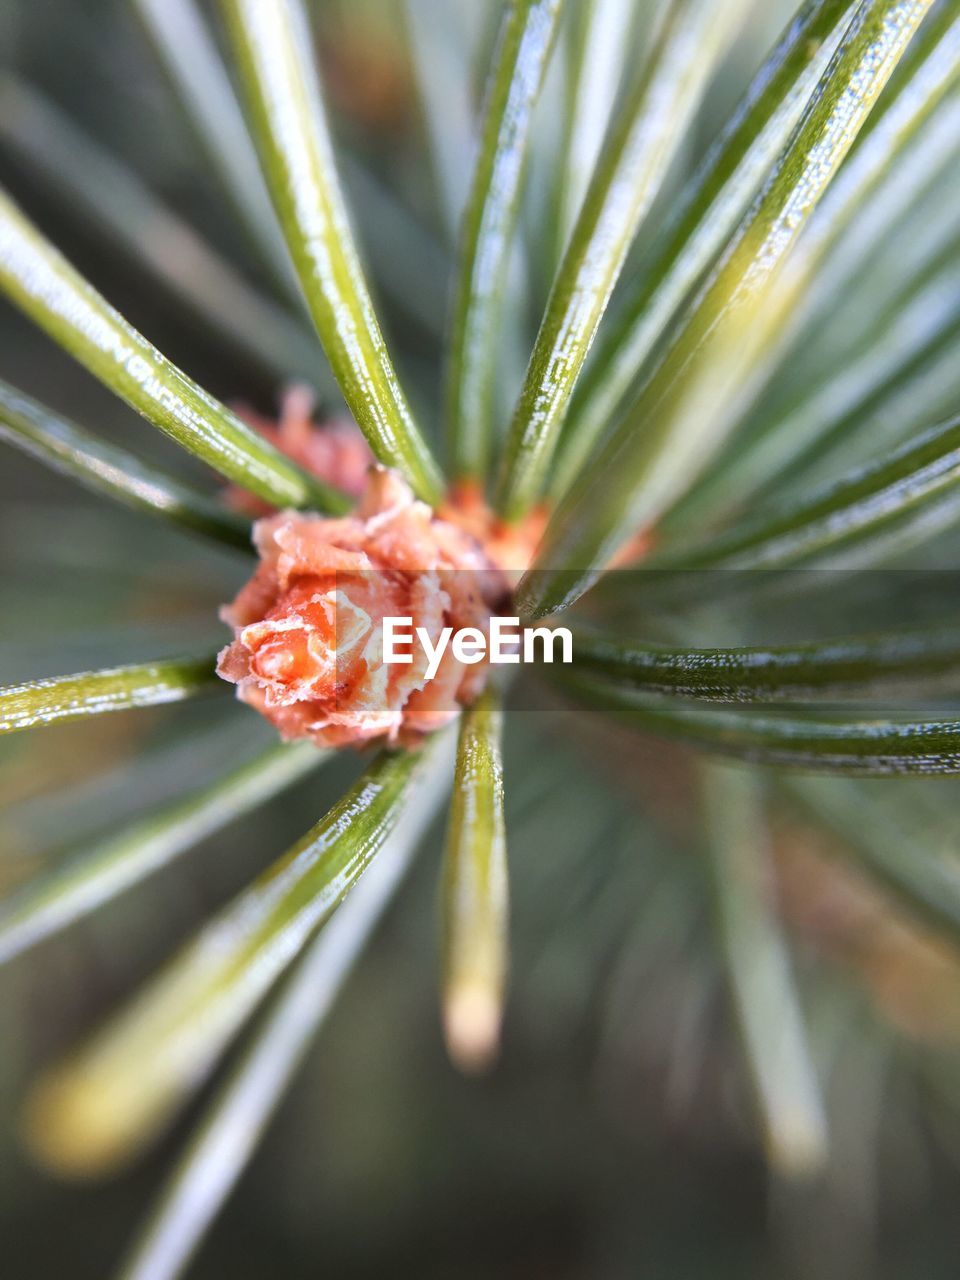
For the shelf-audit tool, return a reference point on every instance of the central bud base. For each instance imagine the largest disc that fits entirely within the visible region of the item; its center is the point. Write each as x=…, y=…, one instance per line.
x=308, y=648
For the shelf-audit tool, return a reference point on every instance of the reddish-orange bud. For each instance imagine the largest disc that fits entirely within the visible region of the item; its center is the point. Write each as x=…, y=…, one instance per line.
x=307, y=651
x=509, y=546
x=335, y=452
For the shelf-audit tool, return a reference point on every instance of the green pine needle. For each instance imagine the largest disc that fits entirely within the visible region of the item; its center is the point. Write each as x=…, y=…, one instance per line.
x=74, y=697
